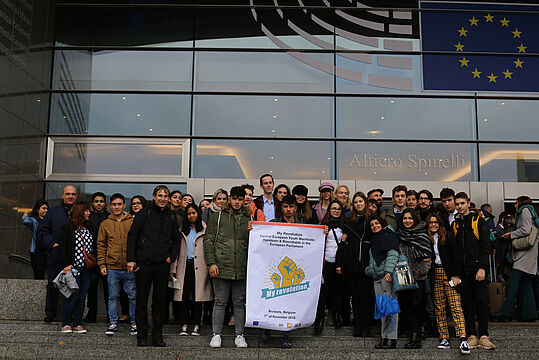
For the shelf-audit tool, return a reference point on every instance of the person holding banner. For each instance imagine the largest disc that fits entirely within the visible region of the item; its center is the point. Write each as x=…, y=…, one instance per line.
x=331, y=290
x=383, y=258
x=352, y=259
x=225, y=251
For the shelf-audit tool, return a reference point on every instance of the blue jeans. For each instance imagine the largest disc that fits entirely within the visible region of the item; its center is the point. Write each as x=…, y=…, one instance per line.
x=73, y=308
x=116, y=280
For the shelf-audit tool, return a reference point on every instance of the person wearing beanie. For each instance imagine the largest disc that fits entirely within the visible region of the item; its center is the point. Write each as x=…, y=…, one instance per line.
x=304, y=212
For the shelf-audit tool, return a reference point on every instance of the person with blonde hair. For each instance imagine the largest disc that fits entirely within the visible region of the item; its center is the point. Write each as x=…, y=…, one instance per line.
x=219, y=199
x=342, y=193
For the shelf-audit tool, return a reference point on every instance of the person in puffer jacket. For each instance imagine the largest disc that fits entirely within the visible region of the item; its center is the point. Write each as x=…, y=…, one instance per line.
x=383, y=257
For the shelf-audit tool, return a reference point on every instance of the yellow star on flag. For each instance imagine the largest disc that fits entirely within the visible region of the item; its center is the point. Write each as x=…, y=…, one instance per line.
x=516, y=33
x=476, y=74
x=505, y=22
x=473, y=21
x=463, y=32
x=489, y=17
x=507, y=74
x=464, y=62
x=492, y=78
x=459, y=47
x=522, y=48
x=518, y=63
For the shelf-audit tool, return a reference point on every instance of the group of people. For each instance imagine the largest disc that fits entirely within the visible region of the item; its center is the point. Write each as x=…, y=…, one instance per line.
x=197, y=256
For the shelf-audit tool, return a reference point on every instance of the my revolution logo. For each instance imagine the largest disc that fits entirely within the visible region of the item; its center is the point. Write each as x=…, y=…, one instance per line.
x=287, y=281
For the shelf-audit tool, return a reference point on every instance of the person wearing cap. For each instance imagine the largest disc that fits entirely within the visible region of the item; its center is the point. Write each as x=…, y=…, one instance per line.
x=270, y=205
x=304, y=212
x=326, y=195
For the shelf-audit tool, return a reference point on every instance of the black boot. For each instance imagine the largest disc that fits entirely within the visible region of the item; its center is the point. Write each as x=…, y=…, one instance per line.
x=357, y=330
x=391, y=344
x=285, y=342
x=318, y=325
x=337, y=320
x=381, y=344
x=415, y=341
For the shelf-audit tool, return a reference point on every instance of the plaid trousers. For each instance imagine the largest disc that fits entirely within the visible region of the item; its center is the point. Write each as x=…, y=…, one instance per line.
x=443, y=294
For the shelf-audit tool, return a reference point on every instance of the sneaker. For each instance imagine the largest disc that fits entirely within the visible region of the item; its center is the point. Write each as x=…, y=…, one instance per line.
x=79, y=330
x=113, y=329
x=133, y=329
x=215, y=341
x=240, y=341
x=473, y=342
x=67, y=329
x=444, y=344
x=464, y=347
x=195, y=331
x=485, y=343
x=184, y=331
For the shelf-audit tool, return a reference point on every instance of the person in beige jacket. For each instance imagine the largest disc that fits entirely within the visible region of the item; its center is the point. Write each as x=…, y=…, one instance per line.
x=191, y=271
x=112, y=261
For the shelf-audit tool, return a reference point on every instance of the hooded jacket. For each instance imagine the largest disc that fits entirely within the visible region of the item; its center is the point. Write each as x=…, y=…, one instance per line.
x=226, y=242
x=473, y=252
x=112, y=242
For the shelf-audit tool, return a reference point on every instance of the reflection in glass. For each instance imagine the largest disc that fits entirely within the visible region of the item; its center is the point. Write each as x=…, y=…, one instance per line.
x=98, y=159
x=515, y=162
x=242, y=71
x=406, y=161
x=507, y=119
x=53, y=190
x=269, y=116
x=120, y=114
x=242, y=159
x=122, y=70
x=401, y=118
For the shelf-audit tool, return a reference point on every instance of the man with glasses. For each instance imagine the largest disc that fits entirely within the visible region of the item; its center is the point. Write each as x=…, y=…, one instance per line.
x=48, y=235
x=425, y=207
x=152, y=244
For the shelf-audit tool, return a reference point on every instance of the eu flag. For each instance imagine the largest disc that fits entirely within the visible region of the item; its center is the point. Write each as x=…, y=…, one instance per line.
x=491, y=47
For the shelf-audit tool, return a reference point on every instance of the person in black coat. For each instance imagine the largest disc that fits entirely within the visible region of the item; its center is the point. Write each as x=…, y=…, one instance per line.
x=352, y=259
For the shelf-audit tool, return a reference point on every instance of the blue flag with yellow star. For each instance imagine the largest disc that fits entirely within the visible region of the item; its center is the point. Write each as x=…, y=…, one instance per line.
x=487, y=47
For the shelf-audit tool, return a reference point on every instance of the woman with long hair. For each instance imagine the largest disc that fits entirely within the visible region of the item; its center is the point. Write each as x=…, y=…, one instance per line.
x=37, y=258
x=330, y=292
x=326, y=195
x=524, y=263
x=416, y=245
x=75, y=242
x=219, y=199
x=191, y=271
x=203, y=205
x=383, y=257
x=280, y=192
x=353, y=258
x=304, y=212
x=342, y=193
x=138, y=202
x=446, y=279
x=175, y=200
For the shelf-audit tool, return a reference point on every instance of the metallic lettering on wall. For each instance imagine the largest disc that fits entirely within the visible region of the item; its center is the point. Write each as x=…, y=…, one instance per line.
x=415, y=162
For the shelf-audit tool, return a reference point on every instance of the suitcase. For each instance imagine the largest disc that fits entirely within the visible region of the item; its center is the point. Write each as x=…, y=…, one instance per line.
x=496, y=289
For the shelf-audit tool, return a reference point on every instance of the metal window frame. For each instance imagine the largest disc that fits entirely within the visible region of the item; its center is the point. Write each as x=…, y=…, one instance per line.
x=185, y=158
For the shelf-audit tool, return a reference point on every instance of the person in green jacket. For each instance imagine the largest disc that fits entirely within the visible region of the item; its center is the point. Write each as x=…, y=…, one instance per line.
x=225, y=251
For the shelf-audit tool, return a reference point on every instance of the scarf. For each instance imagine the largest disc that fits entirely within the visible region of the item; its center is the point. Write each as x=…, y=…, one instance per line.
x=319, y=212
x=334, y=223
x=417, y=240
x=381, y=243
x=214, y=208
x=532, y=211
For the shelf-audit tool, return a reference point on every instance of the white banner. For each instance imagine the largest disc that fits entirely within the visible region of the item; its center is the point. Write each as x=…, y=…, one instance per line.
x=284, y=270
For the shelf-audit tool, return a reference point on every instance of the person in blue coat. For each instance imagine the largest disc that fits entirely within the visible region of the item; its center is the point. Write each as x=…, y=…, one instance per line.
x=37, y=258
x=48, y=241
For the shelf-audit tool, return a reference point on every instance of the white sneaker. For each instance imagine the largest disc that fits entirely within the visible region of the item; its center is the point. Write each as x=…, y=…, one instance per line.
x=464, y=347
x=215, y=341
x=240, y=341
x=195, y=331
x=184, y=331
x=444, y=344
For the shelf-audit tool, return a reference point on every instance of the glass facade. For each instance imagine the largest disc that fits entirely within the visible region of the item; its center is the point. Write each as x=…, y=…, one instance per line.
x=121, y=95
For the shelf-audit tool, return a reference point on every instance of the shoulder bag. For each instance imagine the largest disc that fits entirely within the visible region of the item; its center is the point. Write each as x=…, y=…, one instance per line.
x=89, y=258
x=403, y=277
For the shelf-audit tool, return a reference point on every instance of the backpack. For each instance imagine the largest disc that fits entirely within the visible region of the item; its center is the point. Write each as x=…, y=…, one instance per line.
x=475, y=226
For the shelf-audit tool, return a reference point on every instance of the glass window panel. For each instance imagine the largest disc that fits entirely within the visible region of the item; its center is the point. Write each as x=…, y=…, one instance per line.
x=242, y=71
x=117, y=159
x=406, y=161
x=269, y=116
x=508, y=119
x=261, y=28
x=120, y=114
x=248, y=159
x=514, y=162
x=95, y=26
x=53, y=190
x=118, y=70
x=402, y=118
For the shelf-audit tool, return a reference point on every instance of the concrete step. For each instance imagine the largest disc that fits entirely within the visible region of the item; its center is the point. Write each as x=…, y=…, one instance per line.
x=78, y=351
